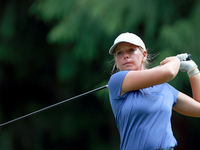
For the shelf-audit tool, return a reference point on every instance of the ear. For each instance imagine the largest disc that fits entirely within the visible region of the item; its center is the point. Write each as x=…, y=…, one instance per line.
x=144, y=56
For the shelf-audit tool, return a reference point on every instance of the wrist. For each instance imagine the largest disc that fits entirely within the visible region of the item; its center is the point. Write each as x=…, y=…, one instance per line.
x=193, y=71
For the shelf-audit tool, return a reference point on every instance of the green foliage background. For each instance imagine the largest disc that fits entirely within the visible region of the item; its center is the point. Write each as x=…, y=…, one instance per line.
x=51, y=50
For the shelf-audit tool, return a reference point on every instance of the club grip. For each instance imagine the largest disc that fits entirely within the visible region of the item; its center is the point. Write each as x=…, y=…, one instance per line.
x=189, y=57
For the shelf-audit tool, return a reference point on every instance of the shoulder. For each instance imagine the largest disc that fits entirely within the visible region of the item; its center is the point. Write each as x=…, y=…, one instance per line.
x=115, y=83
x=173, y=89
x=119, y=74
x=117, y=77
x=167, y=87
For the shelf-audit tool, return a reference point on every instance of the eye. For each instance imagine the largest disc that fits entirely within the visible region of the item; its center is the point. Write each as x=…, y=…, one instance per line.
x=131, y=50
x=119, y=53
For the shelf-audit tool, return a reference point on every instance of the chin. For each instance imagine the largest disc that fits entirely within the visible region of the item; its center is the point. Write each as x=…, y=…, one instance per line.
x=130, y=69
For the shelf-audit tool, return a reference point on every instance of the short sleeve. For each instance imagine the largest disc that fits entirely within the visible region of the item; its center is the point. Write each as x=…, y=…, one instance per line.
x=115, y=84
x=175, y=93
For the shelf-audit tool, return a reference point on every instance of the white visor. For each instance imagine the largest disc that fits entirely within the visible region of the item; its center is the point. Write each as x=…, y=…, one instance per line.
x=129, y=38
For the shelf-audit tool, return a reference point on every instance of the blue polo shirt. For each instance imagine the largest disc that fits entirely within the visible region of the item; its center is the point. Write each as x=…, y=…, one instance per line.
x=143, y=116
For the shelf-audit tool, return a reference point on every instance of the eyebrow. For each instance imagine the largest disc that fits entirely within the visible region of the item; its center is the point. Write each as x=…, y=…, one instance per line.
x=128, y=46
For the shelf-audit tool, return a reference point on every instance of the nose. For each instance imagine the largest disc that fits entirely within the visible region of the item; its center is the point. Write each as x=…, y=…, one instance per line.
x=126, y=55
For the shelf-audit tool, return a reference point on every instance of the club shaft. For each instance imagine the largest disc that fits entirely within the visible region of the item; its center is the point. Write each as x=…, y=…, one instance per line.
x=48, y=107
x=56, y=104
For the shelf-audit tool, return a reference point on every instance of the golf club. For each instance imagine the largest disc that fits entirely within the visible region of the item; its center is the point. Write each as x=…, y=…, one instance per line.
x=56, y=104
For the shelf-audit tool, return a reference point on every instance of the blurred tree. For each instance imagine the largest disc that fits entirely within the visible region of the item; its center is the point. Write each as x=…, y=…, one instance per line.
x=51, y=50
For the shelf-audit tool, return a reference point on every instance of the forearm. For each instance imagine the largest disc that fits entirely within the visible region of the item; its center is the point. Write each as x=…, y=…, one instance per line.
x=195, y=84
x=193, y=72
x=171, y=66
x=185, y=104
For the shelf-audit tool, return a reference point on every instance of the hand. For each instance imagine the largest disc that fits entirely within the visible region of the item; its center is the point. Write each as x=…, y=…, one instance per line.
x=190, y=67
x=182, y=57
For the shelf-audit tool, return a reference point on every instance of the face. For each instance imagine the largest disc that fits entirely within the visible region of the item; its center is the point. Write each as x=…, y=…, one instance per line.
x=129, y=57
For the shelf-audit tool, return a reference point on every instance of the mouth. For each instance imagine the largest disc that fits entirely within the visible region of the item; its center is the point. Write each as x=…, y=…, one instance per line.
x=127, y=63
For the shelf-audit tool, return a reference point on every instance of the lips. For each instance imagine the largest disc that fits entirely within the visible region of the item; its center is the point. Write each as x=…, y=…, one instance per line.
x=127, y=63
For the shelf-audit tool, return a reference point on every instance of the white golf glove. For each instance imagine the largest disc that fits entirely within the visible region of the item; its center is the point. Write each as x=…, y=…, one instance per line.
x=182, y=57
x=190, y=67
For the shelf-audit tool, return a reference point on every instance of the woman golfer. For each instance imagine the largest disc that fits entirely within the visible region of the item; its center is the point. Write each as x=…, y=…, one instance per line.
x=142, y=100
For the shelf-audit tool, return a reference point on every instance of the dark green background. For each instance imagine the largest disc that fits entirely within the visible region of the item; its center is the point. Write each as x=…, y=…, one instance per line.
x=51, y=50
